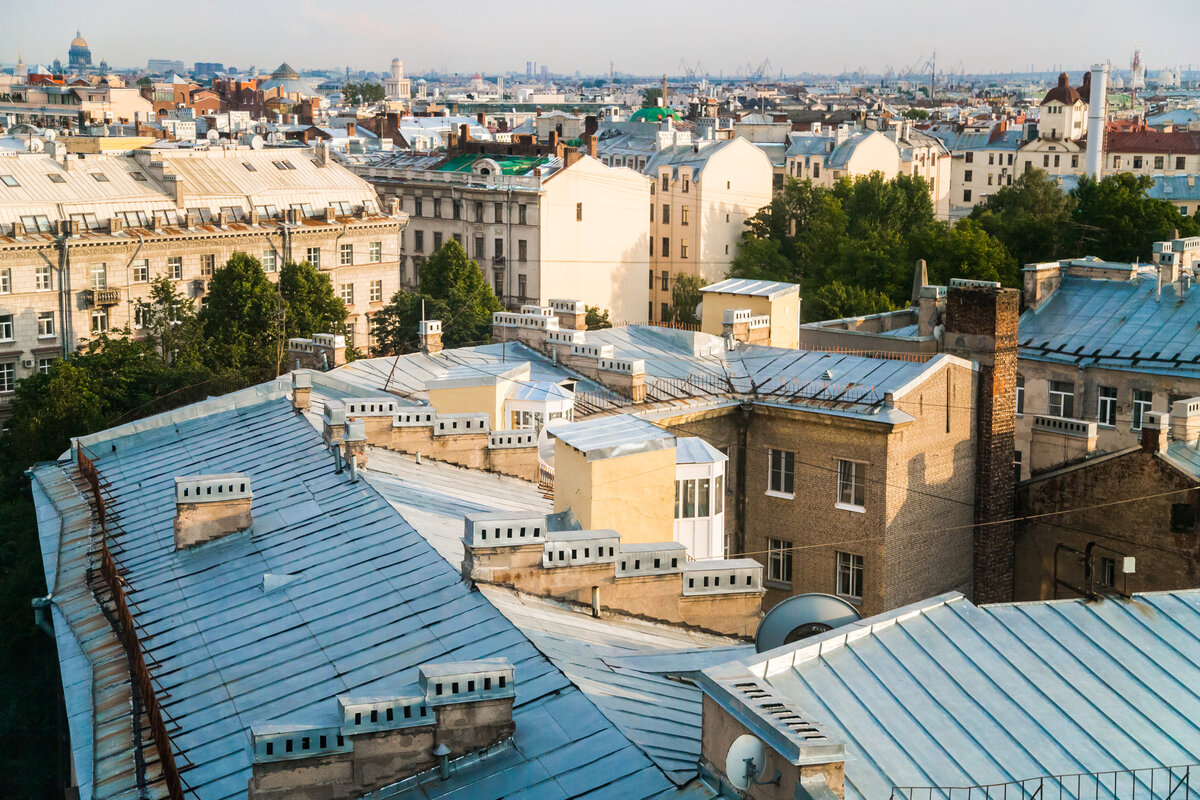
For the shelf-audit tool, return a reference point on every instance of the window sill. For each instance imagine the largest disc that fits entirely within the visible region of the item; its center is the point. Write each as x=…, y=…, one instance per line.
x=785, y=585
x=781, y=495
x=849, y=507
x=47, y=336
x=1106, y=426
x=854, y=601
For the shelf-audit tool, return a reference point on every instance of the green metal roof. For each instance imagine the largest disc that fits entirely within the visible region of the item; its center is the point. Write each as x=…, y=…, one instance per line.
x=654, y=114
x=509, y=165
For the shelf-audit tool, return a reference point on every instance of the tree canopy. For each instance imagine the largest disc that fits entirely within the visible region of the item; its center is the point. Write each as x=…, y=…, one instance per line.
x=357, y=94
x=311, y=305
x=685, y=296
x=241, y=321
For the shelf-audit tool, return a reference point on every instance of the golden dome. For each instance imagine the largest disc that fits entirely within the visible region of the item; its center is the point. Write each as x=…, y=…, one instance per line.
x=78, y=41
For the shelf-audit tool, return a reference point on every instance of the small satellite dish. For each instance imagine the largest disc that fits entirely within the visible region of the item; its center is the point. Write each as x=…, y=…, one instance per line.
x=256, y=142
x=700, y=310
x=800, y=617
x=745, y=761
x=212, y=135
x=36, y=146
x=50, y=134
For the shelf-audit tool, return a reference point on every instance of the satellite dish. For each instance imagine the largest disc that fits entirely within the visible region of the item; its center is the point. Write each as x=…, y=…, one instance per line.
x=700, y=310
x=256, y=142
x=212, y=135
x=745, y=761
x=50, y=134
x=802, y=616
x=36, y=146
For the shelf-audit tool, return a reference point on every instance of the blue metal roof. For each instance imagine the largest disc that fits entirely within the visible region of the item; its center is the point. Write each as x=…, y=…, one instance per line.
x=1116, y=325
x=754, y=288
x=615, y=436
x=946, y=693
x=371, y=601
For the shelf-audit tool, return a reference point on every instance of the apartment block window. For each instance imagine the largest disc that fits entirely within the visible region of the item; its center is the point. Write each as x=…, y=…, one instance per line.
x=141, y=272
x=41, y=278
x=665, y=277
x=1143, y=404
x=208, y=263
x=6, y=327
x=816, y=170
x=498, y=212
x=437, y=241
x=479, y=247
x=1020, y=395
x=652, y=212
x=375, y=252
x=99, y=320
x=849, y=576
x=313, y=256
x=418, y=207
x=175, y=267
x=851, y=492
x=652, y=246
x=522, y=250
x=478, y=211
x=966, y=195
x=666, y=247
x=685, y=185
x=418, y=241
x=437, y=206
x=376, y=291
x=652, y=280
x=268, y=260
x=498, y=280
x=968, y=175
x=1106, y=410
x=991, y=158
x=664, y=313
x=991, y=176
x=1117, y=162
x=691, y=498
x=141, y=315
x=970, y=159
x=683, y=216
x=1106, y=571
x=1180, y=161
x=666, y=214
x=345, y=255
x=8, y=376
x=44, y=364
x=45, y=323
x=1074, y=161
x=666, y=182
x=1017, y=461
x=1137, y=162
x=683, y=248
x=1056, y=157
x=1062, y=399
x=779, y=561
x=579, y=212
x=98, y=276
x=456, y=206
x=1046, y=160
x=1158, y=162
x=521, y=286
x=781, y=477
x=521, y=215
x=5, y=281
x=346, y=292
x=498, y=248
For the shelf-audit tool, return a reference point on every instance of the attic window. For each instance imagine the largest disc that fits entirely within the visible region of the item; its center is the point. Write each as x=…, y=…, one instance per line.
x=249, y=166
x=9, y=180
x=137, y=176
x=100, y=177
x=285, y=164
x=54, y=178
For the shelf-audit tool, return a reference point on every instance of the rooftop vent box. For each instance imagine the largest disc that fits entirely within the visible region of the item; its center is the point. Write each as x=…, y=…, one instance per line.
x=208, y=507
x=466, y=681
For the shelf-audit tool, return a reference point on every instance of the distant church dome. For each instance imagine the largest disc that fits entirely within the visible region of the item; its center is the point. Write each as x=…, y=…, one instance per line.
x=78, y=41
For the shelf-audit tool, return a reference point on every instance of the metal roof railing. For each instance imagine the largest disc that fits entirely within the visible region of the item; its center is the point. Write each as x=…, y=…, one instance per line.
x=1150, y=783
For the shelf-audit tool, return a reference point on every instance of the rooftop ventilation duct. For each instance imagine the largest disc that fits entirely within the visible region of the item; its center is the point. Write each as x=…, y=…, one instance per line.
x=208, y=507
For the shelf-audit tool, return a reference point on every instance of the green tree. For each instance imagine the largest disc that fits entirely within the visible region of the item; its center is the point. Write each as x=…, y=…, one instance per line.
x=1032, y=218
x=836, y=300
x=49, y=408
x=595, y=319
x=916, y=113
x=454, y=291
x=241, y=321
x=310, y=304
x=1115, y=220
x=650, y=97
x=170, y=323
x=963, y=250
x=685, y=296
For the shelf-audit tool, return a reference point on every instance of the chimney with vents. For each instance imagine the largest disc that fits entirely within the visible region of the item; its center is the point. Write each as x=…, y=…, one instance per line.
x=354, y=445
x=1185, y=420
x=1154, y=432
x=301, y=390
x=208, y=507
x=429, y=336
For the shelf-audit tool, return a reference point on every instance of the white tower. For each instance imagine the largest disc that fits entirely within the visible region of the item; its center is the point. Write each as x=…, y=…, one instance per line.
x=1097, y=118
x=397, y=87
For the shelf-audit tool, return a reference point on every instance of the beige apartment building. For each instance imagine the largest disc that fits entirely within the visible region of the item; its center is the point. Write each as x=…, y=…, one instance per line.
x=542, y=221
x=81, y=237
x=48, y=105
x=700, y=198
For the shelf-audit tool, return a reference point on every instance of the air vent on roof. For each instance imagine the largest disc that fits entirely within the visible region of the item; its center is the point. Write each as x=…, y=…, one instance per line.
x=826, y=375
x=208, y=507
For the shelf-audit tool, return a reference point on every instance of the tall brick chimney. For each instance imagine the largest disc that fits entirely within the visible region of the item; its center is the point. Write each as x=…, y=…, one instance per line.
x=981, y=325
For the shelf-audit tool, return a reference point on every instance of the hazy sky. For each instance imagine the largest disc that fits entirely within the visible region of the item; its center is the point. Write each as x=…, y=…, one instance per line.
x=640, y=36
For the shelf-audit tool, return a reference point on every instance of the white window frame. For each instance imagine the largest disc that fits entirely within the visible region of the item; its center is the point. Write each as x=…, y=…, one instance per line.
x=8, y=327
x=1057, y=399
x=175, y=267
x=5, y=281
x=375, y=252
x=1106, y=407
x=140, y=271
x=785, y=470
x=345, y=255
x=44, y=363
x=779, y=562
x=45, y=324
x=8, y=376
x=313, y=256
x=849, y=566
x=1140, y=409
x=850, y=480
x=98, y=276
x=346, y=292
x=43, y=279
x=376, y=291
x=270, y=260
x=98, y=322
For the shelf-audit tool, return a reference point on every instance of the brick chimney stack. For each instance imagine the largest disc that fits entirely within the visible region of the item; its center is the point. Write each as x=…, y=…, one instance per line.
x=1154, y=432
x=981, y=325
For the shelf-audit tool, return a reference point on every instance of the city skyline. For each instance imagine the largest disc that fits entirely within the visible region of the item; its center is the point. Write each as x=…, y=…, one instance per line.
x=314, y=36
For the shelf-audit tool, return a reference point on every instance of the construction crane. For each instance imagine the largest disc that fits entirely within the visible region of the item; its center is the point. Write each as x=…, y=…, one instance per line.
x=757, y=73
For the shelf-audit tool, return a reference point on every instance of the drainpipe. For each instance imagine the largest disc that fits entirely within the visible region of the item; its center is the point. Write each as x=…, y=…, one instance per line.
x=41, y=614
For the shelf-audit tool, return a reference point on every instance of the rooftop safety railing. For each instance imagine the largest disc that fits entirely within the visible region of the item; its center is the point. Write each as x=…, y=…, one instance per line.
x=1149, y=783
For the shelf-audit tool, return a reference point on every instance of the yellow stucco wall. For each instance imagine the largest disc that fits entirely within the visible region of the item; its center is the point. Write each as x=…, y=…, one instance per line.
x=784, y=312
x=473, y=399
x=633, y=495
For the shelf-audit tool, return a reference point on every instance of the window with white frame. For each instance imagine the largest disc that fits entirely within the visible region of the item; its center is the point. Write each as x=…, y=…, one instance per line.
x=99, y=320
x=6, y=327
x=42, y=281
x=781, y=479
x=1061, y=399
x=718, y=494
x=345, y=255
x=175, y=268
x=347, y=293
x=849, y=576
x=99, y=276
x=5, y=281
x=1020, y=395
x=692, y=498
x=208, y=264
x=8, y=376
x=269, y=262
x=375, y=252
x=141, y=315
x=377, y=291
x=313, y=256
x=45, y=323
x=140, y=271
x=1143, y=404
x=779, y=561
x=1106, y=406
x=44, y=364
x=851, y=486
